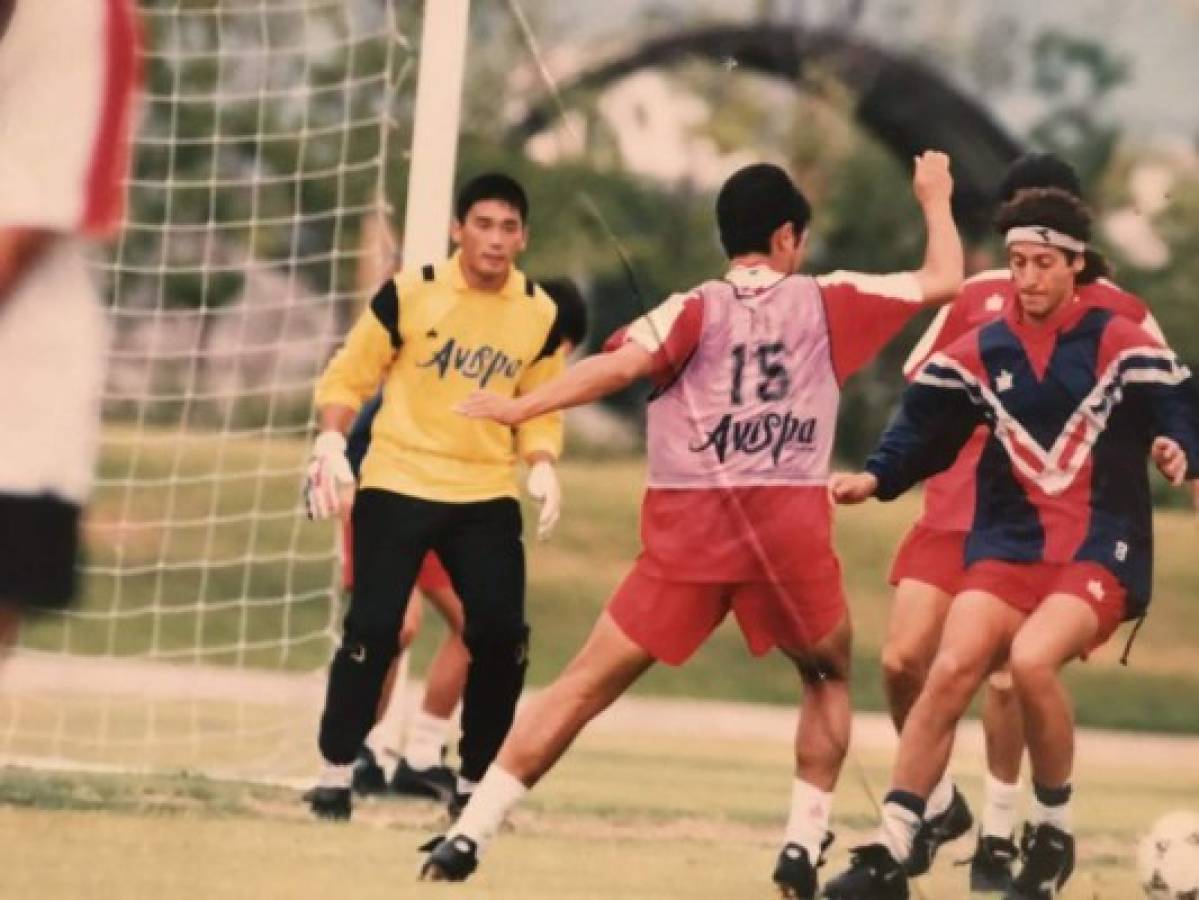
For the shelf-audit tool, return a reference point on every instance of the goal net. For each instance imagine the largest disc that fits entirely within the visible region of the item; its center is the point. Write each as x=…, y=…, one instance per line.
x=209, y=604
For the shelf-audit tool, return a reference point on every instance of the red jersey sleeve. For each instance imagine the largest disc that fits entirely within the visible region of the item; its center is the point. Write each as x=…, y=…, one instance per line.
x=670, y=332
x=982, y=299
x=864, y=312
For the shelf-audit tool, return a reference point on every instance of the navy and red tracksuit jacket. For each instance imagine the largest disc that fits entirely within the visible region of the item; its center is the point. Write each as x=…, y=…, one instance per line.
x=1072, y=407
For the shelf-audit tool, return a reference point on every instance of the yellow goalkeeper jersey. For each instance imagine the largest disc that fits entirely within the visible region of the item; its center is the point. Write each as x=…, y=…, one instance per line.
x=430, y=341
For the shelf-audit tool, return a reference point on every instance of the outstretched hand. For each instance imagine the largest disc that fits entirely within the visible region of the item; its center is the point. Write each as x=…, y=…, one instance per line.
x=851, y=487
x=1170, y=459
x=486, y=405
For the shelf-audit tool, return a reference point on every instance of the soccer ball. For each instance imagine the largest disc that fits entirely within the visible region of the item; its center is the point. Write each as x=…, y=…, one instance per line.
x=1168, y=858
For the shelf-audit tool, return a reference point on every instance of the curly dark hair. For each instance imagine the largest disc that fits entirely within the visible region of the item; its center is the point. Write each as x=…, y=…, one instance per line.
x=1057, y=209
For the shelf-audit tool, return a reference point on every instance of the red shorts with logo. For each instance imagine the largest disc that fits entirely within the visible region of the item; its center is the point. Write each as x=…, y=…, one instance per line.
x=671, y=619
x=431, y=577
x=1025, y=586
x=933, y=556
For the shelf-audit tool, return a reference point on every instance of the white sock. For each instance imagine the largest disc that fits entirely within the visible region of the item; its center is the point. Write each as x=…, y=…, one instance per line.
x=426, y=740
x=1057, y=816
x=940, y=798
x=465, y=785
x=807, y=823
x=334, y=776
x=385, y=736
x=999, y=813
x=489, y=805
x=898, y=830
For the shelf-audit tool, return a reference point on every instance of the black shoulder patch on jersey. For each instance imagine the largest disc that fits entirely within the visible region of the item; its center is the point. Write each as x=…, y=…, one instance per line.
x=386, y=307
x=427, y=272
x=553, y=339
x=530, y=287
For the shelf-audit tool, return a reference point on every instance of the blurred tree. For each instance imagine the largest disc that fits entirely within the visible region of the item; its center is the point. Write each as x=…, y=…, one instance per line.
x=1075, y=75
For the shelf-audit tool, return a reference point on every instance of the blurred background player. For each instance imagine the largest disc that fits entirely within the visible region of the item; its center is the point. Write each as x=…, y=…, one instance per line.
x=433, y=480
x=930, y=563
x=68, y=76
x=420, y=769
x=1075, y=398
x=747, y=372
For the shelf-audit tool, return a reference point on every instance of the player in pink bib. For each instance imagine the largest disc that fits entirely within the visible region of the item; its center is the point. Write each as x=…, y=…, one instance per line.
x=748, y=371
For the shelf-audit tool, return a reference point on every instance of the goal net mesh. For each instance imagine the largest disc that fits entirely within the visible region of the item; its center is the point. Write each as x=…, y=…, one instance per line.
x=209, y=604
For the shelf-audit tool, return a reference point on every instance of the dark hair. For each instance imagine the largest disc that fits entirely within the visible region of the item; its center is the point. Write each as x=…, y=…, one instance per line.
x=491, y=186
x=753, y=204
x=572, y=309
x=1039, y=170
x=1054, y=208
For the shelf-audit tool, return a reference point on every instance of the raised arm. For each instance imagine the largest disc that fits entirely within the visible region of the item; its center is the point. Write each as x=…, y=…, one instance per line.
x=943, y=268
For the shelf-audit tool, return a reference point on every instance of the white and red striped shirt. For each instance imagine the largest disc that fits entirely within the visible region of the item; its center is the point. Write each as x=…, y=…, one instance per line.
x=68, y=72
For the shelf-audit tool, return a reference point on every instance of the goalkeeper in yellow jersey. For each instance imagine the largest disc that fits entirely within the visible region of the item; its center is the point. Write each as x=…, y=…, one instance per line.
x=435, y=480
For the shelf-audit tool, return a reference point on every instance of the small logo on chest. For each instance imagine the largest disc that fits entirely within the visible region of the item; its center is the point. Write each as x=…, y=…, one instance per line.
x=1003, y=381
x=994, y=303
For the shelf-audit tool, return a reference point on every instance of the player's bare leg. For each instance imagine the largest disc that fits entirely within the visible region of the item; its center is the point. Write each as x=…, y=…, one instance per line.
x=600, y=672
x=821, y=742
x=1060, y=629
x=918, y=613
x=605, y=667
x=978, y=631
x=446, y=675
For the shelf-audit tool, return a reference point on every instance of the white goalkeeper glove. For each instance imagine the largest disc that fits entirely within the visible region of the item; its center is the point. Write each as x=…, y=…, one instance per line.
x=543, y=487
x=329, y=482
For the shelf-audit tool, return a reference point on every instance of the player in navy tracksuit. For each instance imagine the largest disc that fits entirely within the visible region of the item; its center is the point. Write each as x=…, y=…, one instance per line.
x=1060, y=551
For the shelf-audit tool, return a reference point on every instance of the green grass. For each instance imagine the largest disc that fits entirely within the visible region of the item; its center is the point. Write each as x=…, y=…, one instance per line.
x=187, y=600
x=624, y=815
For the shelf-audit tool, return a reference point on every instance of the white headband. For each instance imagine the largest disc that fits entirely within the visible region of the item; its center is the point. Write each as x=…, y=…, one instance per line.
x=1039, y=234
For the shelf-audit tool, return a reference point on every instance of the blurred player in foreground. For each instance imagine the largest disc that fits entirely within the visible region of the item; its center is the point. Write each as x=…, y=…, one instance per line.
x=68, y=76
x=748, y=371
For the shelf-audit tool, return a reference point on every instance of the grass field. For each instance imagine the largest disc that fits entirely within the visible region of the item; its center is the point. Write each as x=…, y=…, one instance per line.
x=626, y=815
x=225, y=573
x=222, y=570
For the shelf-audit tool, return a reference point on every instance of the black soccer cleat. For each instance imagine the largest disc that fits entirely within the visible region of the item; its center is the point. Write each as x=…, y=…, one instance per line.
x=433, y=783
x=1047, y=853
x=449, y=859
x=331, y=803
x=795, y=874
x=873, y=874
x=991, y=865
x=368, y=778
x=948, y=826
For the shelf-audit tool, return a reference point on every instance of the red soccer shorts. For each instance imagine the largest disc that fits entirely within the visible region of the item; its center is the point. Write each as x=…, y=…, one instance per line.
x=933, y=556
x=671, y=619
x=1025, y=585
x=431, y=577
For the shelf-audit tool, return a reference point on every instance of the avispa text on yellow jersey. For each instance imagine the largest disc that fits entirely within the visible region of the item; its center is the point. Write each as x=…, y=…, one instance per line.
x=430, y=340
